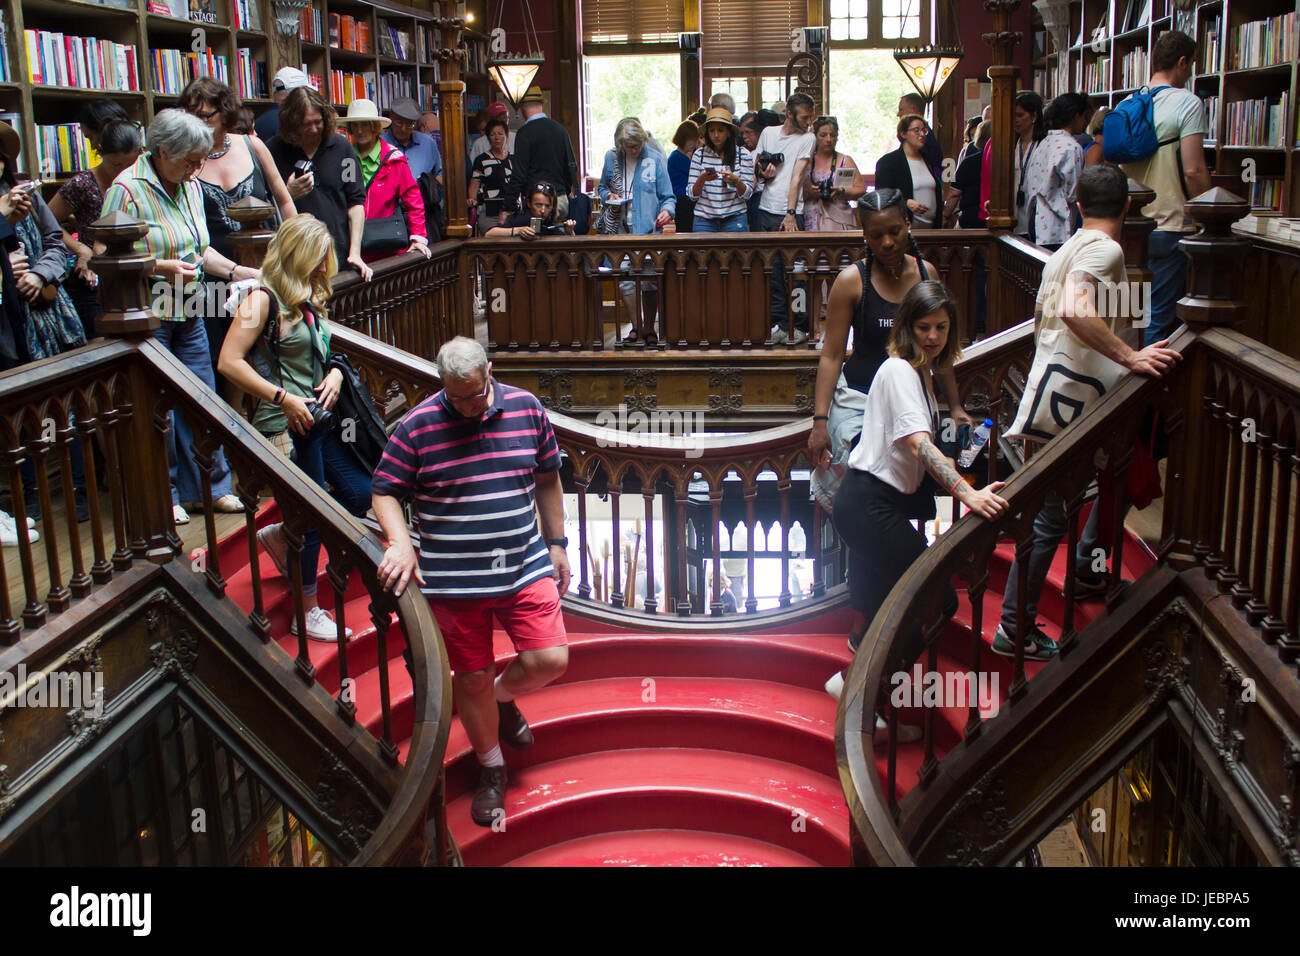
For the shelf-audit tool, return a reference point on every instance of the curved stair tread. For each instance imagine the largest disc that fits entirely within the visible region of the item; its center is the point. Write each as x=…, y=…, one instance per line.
x=666, y=847
x=660, y=787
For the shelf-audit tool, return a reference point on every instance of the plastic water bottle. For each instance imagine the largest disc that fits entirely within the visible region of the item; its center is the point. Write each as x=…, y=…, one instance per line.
x=977, y=439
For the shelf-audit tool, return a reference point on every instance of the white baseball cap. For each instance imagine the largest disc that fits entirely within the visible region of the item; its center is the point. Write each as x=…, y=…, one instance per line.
x=289, y=78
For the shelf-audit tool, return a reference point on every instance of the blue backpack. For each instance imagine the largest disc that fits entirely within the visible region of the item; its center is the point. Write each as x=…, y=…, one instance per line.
x=1128, y=132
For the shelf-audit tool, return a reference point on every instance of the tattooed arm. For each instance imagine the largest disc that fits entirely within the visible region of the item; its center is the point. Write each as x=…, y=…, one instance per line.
x=984, y=502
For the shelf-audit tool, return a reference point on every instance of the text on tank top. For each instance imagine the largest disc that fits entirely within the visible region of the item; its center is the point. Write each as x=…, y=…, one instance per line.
x=872, y=323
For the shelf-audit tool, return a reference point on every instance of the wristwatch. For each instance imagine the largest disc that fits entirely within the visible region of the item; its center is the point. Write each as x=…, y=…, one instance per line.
x=790, y=212
x=558, y=542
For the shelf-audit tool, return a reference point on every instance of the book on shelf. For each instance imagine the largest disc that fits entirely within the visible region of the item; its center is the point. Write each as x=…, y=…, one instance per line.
x=349, y=33
x=5, y=75
x=62, y=149
x=346, y=87
x=1256, y=122
x=174, y=69
x=394, y=42
x=247, y=14
x=1134, y=69
x=1268, y=193
x=428, y=97
x=16, y=121
x=1211, y=45
x=1264, y=42
x=309, y=26
x=394, y=86
x=1211, y=117
x=251, y=76
x=202, y=11
x=55, y=59
x=1097, y=75
x=169, y=8
x=314, y=80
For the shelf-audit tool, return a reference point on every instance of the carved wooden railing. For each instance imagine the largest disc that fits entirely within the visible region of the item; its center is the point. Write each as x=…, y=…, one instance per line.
x=411, y=303
x=711, y=291
x=1231, y=410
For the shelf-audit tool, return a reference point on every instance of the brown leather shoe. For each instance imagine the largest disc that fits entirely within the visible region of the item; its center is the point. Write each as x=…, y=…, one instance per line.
x=489, y=796
x=514, y=729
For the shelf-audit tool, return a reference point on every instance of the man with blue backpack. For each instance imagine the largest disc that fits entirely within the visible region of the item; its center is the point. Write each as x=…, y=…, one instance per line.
x=1156, y=136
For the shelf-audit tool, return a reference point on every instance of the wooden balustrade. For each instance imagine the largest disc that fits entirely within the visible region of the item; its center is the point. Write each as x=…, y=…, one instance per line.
x=711, y=291
x=411, y=303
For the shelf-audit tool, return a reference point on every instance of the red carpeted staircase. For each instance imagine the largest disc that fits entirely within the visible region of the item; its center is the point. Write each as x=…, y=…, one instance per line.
x=705, y=749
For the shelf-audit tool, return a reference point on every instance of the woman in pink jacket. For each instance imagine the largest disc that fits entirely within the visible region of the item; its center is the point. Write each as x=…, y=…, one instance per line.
x=387, y=177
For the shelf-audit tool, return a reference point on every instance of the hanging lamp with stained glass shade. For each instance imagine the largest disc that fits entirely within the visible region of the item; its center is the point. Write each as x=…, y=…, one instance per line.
x=929, y=67
x=514, y=74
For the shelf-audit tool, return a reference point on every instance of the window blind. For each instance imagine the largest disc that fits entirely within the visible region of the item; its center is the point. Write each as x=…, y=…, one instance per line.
x=632, y=21
x=756, y=33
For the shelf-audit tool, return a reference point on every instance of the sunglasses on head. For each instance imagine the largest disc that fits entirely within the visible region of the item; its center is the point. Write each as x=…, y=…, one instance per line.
x=546, y=188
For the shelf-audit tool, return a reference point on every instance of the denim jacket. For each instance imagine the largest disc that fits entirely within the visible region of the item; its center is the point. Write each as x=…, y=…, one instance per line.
x=649, y=185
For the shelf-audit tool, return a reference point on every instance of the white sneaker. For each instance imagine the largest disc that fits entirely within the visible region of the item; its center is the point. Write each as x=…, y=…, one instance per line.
x=9, y=531
x=229, y=504
x=800, y=336
x=778, y=335
x=180, y=515
x=320, y=626
x=835, y=686
x=907, y=734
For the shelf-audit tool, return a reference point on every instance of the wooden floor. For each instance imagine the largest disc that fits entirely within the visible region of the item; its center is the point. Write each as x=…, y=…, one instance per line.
x=192, y=535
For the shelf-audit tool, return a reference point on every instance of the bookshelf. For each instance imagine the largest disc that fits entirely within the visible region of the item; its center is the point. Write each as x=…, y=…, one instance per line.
x=1246, y=73
x=162, y=52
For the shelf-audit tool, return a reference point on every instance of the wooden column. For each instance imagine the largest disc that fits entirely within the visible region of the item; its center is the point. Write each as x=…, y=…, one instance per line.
x=1137, y=233
x=1004, y=76
x=1214, y=284
x=692, y=68
x=451, y=118
x=250, y=242
x=125, y=297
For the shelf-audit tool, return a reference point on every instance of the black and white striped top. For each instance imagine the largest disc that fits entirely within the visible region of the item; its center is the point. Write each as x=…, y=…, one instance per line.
x=717, y=199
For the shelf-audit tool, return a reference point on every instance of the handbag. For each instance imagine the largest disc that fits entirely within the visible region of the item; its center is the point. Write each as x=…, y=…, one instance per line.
x=1066, y=379
x=613, y=219
x=388, y=234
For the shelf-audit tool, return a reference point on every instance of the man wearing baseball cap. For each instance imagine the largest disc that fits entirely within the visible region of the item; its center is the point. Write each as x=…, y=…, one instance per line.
x=268, y=124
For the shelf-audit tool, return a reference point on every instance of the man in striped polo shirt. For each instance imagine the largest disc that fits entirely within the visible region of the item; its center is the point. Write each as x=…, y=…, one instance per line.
x=474, y=457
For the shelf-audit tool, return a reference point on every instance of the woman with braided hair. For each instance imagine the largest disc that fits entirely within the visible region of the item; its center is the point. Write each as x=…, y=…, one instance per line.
x=865, y=298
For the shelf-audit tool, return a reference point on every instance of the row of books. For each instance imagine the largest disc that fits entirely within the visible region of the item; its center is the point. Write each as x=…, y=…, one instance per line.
x=61, y=149
x=247, y=14
x=427, y=42
x=4, y=50
x=54, y=59
x=1211, y=116
x=393, y=86
x=309, y=26
x=1096, y=75
x=173, y=69
x=314, y=79
x=1264, y=42
x=251, y=76
x=346, y=87
x=1256, y=122
x=1134, y=69
x=1267, y=194
x=349, y=33
x=1211, y=45
x=476, y=61
x=394, y=42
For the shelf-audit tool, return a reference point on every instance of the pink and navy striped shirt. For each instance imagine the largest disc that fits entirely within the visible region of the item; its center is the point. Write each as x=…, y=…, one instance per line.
x=473, y=484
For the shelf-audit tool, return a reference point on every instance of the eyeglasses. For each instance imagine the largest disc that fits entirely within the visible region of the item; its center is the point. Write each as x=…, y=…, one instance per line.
x=195, y=111
x=470, y=399
x=190, y=164
x=917, y=129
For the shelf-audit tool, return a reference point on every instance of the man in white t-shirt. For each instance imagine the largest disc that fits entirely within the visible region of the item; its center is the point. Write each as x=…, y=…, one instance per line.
x=1074, y=295
x=780, y=205
x=1177, y=172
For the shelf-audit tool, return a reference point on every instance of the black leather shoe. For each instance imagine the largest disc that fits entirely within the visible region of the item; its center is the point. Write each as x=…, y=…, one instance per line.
x=489, y=796
x=514, y=729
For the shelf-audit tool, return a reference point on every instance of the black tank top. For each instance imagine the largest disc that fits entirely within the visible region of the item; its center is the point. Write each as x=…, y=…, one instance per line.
x=872, y=324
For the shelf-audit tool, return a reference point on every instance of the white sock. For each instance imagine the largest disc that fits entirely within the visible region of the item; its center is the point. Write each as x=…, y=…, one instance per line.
x=492, y=758
x=499, y=692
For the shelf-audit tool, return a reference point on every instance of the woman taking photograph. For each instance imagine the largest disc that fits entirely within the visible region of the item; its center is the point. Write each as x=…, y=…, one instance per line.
x=826, y=204
x=721, y=178
x=488, y=179
x=865, y=298
x=160, y=189
x=387, y=179
x=884, y=490
x=281, y=327
x=635, y=183
x=540, y=205
x=906, y=170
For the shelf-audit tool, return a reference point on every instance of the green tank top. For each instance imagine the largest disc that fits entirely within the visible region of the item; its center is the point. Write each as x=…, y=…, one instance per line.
x=298, y=370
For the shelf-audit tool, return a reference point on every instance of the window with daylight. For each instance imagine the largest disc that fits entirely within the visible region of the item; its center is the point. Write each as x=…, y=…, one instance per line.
x=876, y=23
x=746, y=47
x=648, y=87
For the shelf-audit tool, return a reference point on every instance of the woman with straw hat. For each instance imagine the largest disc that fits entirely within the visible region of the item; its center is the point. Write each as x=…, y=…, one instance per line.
x=722, y=176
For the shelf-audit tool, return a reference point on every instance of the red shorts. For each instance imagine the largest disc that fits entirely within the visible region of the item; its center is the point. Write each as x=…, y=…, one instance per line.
x=530, y=617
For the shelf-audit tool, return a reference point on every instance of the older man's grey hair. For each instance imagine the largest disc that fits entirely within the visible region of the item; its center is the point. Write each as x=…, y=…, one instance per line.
x=178, y=133
x=461, y=358
x=723, y=100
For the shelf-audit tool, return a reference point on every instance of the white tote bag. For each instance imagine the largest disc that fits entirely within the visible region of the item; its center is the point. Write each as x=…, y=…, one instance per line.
x=1067, y=378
